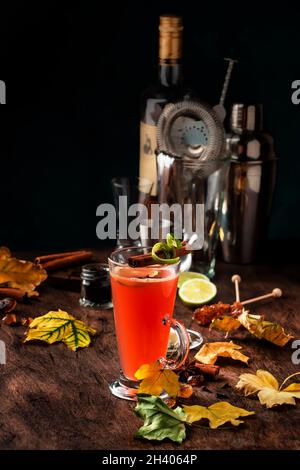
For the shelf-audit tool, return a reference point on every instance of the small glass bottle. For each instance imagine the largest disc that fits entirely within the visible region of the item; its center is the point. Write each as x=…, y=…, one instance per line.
x=95, y=286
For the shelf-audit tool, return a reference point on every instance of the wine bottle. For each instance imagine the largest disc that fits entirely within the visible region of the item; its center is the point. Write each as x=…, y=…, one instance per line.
x=169, y=88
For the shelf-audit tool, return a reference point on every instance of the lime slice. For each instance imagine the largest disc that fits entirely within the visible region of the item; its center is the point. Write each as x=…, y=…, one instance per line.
x=185, y=276
x=197, y=291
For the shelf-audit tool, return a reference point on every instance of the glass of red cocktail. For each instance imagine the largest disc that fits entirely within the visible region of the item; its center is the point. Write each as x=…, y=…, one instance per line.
x=143, y=300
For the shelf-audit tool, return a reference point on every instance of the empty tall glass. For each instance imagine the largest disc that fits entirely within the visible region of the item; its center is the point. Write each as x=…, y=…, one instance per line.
x=199, y=188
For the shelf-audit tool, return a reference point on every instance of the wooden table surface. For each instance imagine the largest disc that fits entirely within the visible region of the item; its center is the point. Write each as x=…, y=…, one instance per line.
x=54, y=398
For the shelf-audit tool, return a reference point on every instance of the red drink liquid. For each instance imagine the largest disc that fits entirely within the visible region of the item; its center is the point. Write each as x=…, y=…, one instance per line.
x=141, y=303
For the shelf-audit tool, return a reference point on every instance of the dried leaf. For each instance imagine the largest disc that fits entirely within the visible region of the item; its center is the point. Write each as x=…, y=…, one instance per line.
x=60, y=326
x=155, y=379
x=267, y=388
x=4, y=253
x=270, y=331
x=217, y=414
x=20, y=274
x=227, y=324
x=160, y=421
x=293, y=388
x=210, y=352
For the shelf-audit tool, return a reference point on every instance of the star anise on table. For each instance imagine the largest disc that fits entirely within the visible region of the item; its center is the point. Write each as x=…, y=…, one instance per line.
x=194, y=373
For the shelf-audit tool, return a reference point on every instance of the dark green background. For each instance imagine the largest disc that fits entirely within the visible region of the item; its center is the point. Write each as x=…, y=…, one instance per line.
x=74, y=74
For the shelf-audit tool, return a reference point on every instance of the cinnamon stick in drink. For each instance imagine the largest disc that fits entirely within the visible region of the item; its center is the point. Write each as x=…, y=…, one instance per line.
x=139, y=261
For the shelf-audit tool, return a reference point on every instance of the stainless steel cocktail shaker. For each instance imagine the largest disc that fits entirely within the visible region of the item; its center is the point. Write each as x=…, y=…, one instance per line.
x=250, y=185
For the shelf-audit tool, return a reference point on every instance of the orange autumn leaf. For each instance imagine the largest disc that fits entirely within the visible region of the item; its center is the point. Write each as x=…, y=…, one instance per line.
x=210, y=352
x=155, y=379
x=20, y=274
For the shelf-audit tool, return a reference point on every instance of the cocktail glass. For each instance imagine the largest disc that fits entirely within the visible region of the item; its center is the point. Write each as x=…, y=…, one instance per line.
x=143, y=300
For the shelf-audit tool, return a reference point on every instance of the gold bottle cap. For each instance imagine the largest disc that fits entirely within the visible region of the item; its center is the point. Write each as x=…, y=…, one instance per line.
x=170, y=37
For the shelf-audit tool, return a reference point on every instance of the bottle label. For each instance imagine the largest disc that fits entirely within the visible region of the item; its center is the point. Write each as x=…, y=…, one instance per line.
x=147, y=154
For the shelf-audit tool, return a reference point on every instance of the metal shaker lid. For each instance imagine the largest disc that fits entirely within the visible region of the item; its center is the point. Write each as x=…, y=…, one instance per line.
x=246, y=117
x=190, y=130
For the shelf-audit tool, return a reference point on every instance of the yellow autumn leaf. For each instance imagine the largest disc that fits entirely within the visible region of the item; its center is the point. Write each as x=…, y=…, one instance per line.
x=155, y=379
x=20, y=274
x=261, y=328
x=267, y=388
x=226, y=323
x=60, y=326
x=210, y=352
x=293, y=388
x=217, y=414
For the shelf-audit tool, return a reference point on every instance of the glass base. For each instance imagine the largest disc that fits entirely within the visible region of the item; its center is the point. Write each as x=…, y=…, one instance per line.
x=127, y=389
x=122, y=391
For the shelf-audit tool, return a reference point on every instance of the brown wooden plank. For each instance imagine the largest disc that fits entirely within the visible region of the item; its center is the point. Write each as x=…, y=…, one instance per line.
x=53, y=398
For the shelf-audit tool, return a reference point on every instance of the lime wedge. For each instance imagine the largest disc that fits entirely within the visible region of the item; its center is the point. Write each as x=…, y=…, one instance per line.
x=197, y=291
x=185, y=276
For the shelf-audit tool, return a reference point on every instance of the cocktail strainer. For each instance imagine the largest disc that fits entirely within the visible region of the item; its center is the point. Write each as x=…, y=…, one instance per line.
x=190, y=130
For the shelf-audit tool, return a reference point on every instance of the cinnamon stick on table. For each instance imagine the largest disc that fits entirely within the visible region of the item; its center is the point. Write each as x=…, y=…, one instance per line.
x=45, y=258
x=139, y=261
x=208, y=369
x=64, y=260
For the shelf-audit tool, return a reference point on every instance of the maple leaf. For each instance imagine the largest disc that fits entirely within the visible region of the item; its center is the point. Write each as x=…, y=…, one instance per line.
x=210, y=352
x=155, y=379
x=20, y=274
x=217, y=414
x=261, y=328
x=60, y=326
x=267, y=388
